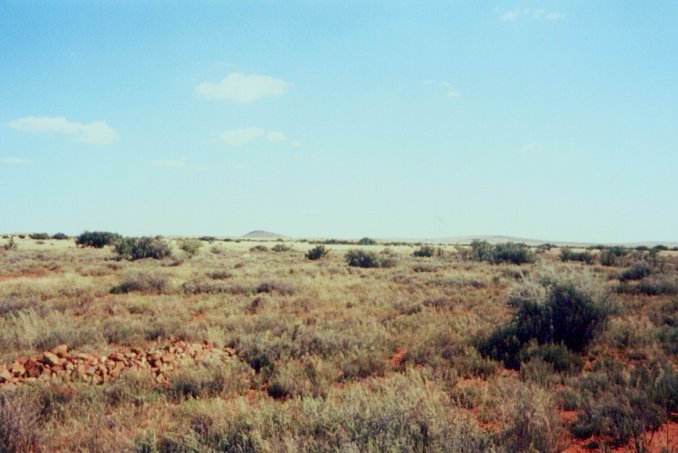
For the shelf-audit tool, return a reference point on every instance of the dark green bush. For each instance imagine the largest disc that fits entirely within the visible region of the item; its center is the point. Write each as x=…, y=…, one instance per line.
x=567, y=254
x=366, y=241
x=425, y=251
x=482, y=251
x=508, y=252
x=39, y=236
x=557, y=309
x=513, y=253
x=637, y=271
x=609, y=255
x=361, y=258
x=60, y=236
x=143, y=247
x=317, y=252
x=97, y=239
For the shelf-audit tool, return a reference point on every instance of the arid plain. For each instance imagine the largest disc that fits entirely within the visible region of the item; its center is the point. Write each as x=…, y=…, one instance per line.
x=262, y=345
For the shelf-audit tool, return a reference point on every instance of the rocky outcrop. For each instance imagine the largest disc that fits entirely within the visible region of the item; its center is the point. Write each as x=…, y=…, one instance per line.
x=62, y=365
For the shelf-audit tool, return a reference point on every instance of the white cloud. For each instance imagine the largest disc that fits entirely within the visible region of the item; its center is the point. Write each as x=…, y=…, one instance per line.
x=170, y=163
x=509, y=16
x=97, y=132
x=539, y=14
x=16, y=161
x=276, y=137
x=243, y=88
x=235, y=137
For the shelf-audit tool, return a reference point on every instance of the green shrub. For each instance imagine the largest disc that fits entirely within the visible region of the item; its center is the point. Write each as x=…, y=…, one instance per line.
x=425, y=251
x=97, y=239
x=60, y=236
x=637, y=271
x=508, y=252
x=259, y=248
x=556, y=309
x=143, y=247
x=281, y=248
x=366, y=241
x=609, y=255
x=39, y=236
x=557, y=355
x=317, y=252
x=361, y=258
x=567, y=254
x=190, y=246
x=482, y=251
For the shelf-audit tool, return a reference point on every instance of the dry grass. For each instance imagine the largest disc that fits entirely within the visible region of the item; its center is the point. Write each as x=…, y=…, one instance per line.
x=330, y=357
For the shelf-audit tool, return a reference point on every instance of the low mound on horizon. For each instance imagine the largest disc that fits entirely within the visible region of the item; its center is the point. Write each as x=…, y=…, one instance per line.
x=261, y=234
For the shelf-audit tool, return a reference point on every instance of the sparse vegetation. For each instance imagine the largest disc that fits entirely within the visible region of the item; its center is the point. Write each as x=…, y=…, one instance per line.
x=190, y=246
x=323, y=356
x=142, y=247
x=567, y=254
x=97, y=239
x=317, y=252
x=508, y=252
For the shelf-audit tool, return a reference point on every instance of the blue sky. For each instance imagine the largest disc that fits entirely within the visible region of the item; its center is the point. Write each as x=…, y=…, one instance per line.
x=552, y=120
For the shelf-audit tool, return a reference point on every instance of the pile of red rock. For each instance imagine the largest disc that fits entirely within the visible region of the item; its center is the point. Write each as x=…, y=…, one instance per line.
x=61, y=365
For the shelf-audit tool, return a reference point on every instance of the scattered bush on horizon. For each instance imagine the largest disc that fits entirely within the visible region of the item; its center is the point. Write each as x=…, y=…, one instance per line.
x=508, y=252
x=143, y=247
x=567, y=254
x=39, y=236
x=366, y=241
x=569, y=309
x=97, y=239
x=425, y=251
x=60, y=236
x=190, y=246
x=317, y=252
x=609, y=255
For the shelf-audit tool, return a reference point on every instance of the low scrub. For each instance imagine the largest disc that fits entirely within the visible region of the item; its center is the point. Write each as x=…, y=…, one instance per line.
x=190, y=246
x=567, y=254
x=637, y=271
x=361, y=258
x=317, y=252
x=143, y=247
x=508, y=252
x=97, y=239
x=425, y=251
x=143, y=282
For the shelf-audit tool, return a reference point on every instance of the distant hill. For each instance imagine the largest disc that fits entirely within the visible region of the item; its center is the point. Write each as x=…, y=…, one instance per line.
x=260, y=234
